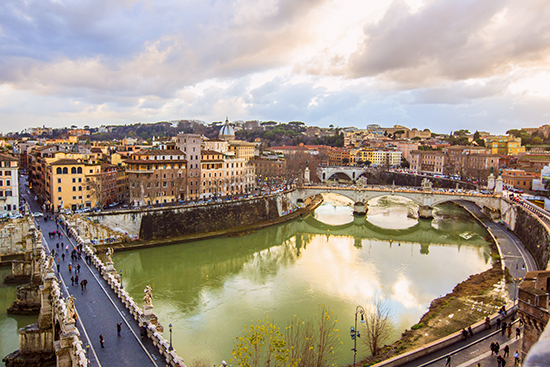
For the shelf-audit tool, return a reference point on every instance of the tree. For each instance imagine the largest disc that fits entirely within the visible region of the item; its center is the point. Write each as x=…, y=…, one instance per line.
x=262, y=345
x=536, y=140
x=377, y=326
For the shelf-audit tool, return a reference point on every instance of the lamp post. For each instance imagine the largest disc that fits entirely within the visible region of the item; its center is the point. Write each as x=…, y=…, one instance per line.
x=354, y=333
x=121, y=278
x=170, y=328
x=88, y=352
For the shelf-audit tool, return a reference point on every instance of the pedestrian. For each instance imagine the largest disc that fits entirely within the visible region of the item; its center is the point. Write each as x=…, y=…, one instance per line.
x=63, y=256
x=497, y=348
x=57, y=245
x=118, y=328
x=70, y=268
x=143, y=332
x=101, y=341
x=503, y=329
x=470, y=331
x=78, y=268
x=72, y=280
x=58, y=268
x=66, y=247
x=499, y=361
x=518, y=332
x=509, y=330
x=448, y=361
x=464, y=334
x=76, y=279
x=82, y=285
x=492, y=348
x=498, y=322
x=506, y=351
x=516, y=358
x=85, y=283
x=478, y=365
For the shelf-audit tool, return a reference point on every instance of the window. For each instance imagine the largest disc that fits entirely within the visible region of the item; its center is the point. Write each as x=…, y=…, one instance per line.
x=79, y=170
x=74, y=180
x=1, y=193
x=65, y=170
x=73, y=170
x=80, y=179
x=59, y=189
x=59, y=198
x=74, y=188
x=79, y=188
x=8, y=192
x=59, y=180
x=74, y=197
x=58, y=170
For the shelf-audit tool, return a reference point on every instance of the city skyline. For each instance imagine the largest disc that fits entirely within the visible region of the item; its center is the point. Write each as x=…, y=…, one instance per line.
x=442, y=64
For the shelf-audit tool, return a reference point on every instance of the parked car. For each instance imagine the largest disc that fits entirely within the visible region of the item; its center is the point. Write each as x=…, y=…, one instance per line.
x=37, y=214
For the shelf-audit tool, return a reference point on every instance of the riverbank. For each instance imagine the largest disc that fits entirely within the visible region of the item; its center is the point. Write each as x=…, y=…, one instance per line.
x=232, y=232
x=470, y=301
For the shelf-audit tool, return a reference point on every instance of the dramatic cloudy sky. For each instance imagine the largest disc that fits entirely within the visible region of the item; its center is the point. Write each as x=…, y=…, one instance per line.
x=437, y=64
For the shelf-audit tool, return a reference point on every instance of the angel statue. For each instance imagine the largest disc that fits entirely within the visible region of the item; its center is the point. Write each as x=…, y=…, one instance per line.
x=148, y=296
x=108, y=255
x=70, y=314
x=49, y=264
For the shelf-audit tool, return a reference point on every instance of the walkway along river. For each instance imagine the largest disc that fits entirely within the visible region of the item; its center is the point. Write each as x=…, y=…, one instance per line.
x=208, y=290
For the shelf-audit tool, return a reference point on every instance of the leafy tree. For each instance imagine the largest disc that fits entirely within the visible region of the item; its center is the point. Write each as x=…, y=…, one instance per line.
x=377, y=327
x=262, y=345
x=536, y=140
x=405, y=163
x=462, y=132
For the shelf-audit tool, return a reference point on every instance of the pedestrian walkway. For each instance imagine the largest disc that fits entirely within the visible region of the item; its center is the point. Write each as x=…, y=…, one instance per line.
x=98, y=309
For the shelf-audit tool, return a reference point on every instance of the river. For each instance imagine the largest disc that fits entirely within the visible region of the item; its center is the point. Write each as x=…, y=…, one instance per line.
x=208, y=290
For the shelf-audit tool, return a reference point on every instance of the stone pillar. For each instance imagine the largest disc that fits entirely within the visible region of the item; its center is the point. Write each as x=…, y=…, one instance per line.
x=425, y=211
x=491, y=182
x=64, y=346
x=306, y=175
x=360, y=208
x=499, y=185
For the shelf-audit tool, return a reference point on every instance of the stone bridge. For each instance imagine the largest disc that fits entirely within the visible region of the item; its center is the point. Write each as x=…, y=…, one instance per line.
x=55, y=337
x=325, y=173
x=426, y=198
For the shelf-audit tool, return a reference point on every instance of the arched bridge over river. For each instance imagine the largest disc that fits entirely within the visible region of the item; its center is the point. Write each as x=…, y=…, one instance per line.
x=426, y=198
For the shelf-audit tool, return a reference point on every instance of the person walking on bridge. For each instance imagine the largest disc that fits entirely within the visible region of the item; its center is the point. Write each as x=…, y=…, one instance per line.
x=118, y=328
x=448, y=361
x=101, y=340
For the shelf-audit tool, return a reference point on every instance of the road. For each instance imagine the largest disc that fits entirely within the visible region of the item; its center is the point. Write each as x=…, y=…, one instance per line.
x=98, y=308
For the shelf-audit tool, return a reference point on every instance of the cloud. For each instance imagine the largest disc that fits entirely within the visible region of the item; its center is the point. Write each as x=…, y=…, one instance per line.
x=453, y=40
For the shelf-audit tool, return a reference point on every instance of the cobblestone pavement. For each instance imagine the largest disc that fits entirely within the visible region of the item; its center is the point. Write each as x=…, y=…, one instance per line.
x=99, y=309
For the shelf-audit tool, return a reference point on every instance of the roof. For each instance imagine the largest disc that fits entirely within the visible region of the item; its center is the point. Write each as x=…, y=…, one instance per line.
x=65, y=162
x=160, y=152
x=208, y=151
x=5, y=157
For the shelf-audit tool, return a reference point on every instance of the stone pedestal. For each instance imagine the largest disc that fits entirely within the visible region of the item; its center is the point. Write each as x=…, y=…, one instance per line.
x=150, y=318
x=360, y=209
x=425, y=212
x=499, y=184
x=491, y=182
x=307, y=175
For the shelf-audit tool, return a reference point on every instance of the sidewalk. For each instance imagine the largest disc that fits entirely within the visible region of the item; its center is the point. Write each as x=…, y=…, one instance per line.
x=99, y=310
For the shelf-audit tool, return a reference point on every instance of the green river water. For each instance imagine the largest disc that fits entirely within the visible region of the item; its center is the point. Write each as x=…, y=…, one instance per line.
x=208, y=290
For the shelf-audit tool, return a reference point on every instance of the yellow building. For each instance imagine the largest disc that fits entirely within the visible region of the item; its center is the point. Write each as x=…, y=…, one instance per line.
x=242, y=149
x=364, y=155
x=504, y=145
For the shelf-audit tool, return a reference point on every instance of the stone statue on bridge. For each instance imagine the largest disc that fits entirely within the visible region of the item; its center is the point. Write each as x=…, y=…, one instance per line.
x=148, y=296
x=108, y=255
x=427, y=185
x=50, y=267
x=70, y=311
x=362, y=181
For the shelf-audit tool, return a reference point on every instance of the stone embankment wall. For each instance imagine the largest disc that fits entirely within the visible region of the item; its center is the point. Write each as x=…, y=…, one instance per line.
x=531, y=230
x=405, y=179
x=14, y=236
x=174, y=221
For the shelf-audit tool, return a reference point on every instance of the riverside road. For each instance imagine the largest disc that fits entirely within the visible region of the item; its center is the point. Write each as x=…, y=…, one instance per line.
x=98, y=309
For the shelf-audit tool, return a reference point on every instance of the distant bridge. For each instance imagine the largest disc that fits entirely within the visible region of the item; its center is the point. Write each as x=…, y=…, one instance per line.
x=325, y=173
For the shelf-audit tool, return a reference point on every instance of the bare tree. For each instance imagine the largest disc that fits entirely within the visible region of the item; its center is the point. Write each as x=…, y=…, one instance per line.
x=377, y=326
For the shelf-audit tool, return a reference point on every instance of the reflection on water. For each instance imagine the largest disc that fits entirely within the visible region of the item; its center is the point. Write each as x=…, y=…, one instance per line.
x=9, y=338
x=210, y=289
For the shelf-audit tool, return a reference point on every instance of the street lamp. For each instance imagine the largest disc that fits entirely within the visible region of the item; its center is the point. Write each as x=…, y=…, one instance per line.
x=88, y=352
x=121, y=278
x=170, y=328
x=354, y=333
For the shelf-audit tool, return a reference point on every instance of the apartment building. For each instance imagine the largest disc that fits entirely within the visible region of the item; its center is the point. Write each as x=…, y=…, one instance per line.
x=9, y=185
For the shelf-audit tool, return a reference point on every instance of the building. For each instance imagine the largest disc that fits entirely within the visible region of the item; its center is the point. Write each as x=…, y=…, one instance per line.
x=533, y=307
x=190, y=145
x=9, y=185
x=518, y=179
x=386, y=157
x=504, y=144
x=158, y=176
x=213, y=181
x=428, y=161
x=269, y=168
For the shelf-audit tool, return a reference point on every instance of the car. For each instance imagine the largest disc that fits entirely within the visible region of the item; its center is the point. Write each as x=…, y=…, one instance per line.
x=37, y=214
x=16, y=216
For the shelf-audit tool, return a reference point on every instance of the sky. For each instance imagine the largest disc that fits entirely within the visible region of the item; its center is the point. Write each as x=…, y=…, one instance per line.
x=438, y=64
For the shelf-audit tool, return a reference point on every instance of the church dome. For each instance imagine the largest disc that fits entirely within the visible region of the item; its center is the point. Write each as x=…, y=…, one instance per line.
x=227, y=132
